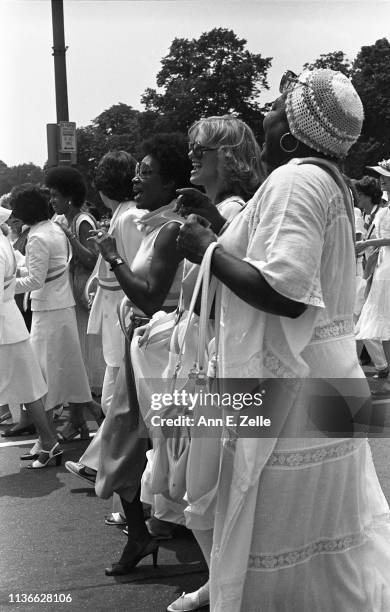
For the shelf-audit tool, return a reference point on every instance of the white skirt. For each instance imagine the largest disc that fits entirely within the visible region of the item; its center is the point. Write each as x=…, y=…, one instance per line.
x=150, y=361
x=374, y=320
x=55, y=341
x=21, y=380
x=319, y=532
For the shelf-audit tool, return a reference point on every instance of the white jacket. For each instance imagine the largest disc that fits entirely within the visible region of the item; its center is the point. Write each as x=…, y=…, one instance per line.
x=46, y=273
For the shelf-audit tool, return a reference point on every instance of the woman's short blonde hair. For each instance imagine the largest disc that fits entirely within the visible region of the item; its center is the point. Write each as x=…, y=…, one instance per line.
x=239, y=165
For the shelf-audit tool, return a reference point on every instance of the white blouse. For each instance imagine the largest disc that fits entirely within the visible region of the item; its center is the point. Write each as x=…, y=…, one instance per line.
x=296, y=231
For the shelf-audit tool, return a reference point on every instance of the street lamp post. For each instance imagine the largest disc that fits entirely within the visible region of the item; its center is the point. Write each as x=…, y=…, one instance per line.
x=61, y=136
x=59, y=51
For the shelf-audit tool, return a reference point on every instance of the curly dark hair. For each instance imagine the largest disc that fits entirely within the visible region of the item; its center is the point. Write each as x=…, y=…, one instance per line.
x=114, y=175
x=369, y=186
x=29, y=204
x=69, y=182
x=170, y=150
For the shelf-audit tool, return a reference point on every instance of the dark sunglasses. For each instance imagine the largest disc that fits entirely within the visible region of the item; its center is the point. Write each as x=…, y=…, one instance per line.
x=198, y=150
x=143, y=171
x=289, y=80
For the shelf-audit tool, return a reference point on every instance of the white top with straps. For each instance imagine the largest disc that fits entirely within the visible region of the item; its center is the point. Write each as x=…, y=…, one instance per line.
x=103, y=316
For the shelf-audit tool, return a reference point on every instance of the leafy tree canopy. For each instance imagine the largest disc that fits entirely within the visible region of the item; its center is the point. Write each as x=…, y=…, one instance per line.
x=211, y=75
x=16, y=175
x=336, y=60
x=215, y=74
x=371, y=77
x=118, y=127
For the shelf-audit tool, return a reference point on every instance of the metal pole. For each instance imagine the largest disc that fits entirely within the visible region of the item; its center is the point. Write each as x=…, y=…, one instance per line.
x=59, y=50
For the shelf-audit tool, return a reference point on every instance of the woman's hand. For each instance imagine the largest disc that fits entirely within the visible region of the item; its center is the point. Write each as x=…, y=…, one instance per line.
x=192, y=201
x=105, y=243
x=142, y=333
x=194, y=237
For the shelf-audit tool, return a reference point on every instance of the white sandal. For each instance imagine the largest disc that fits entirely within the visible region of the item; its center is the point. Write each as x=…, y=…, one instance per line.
x=51, y=454
x=191, y=601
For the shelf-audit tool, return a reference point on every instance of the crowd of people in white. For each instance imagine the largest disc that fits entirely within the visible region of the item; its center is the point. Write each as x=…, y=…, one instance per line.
x=219, y=261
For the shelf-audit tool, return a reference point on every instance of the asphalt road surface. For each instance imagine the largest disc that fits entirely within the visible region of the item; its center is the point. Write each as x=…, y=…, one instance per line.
x=53, y=540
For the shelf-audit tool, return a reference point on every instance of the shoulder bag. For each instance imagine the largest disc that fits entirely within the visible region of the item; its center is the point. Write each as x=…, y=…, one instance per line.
x=171, y=452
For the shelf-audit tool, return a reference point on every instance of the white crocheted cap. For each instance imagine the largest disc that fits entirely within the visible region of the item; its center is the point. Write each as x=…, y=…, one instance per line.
x=383, y=167
x=325, y=112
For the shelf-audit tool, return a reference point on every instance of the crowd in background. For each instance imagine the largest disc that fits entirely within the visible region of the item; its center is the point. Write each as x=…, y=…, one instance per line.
x=215, y=259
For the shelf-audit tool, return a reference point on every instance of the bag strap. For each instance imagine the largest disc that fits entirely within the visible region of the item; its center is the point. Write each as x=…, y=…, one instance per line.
x=213, y=366
x=203, y=277
x=204, y=314
x=335, y=173
x=57, y=271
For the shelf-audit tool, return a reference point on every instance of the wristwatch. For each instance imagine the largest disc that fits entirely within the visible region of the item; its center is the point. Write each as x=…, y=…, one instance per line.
x=115, y=261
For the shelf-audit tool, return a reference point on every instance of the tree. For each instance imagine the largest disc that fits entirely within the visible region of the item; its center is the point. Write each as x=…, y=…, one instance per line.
x=118, y=127
x=118, y=119
x=371, y=78
x=16, y=175
x=211, y=75
x=335, y=60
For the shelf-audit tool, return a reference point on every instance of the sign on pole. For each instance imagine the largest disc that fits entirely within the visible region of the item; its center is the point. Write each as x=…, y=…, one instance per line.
x=68, y=142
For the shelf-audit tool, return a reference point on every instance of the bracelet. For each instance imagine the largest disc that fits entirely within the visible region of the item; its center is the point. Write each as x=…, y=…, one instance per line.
x=115, y=262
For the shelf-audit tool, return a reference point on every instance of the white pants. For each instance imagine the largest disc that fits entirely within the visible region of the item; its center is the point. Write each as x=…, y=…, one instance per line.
x=377, y=354
x=90, y=458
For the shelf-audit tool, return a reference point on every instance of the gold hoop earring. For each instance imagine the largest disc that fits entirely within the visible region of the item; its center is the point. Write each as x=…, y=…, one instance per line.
x=284, y=148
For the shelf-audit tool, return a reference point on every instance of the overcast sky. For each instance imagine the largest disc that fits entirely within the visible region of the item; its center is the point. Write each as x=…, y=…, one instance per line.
x=115, y=49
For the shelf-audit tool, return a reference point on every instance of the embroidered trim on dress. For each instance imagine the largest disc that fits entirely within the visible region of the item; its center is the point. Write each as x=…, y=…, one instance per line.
x=276, y=366
x=335, y=329
x=311, y=456
x=293, y=557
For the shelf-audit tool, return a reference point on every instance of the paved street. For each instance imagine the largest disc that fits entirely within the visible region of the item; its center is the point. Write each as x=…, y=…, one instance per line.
x=53, y=538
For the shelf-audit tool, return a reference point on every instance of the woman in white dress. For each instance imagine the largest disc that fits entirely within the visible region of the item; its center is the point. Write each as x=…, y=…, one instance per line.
x=151, y=283
x=21, y=379
x=225, y=161
x=369, y=196
x=67, y=197
x=301, y=521
x=374, y=320
x=54, y=336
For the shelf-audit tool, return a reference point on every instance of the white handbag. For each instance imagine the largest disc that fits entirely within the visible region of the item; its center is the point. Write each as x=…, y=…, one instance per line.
x=171, y=453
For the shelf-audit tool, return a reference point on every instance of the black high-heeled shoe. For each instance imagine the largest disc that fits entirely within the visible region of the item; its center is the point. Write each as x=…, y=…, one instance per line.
x=19, y=431
x=45, y=456
x=126, y=567
x=71, y=430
